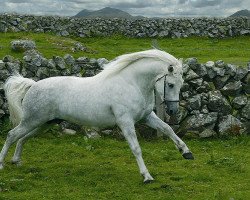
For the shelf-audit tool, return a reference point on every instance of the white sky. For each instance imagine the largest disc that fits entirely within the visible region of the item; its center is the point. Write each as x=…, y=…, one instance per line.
x=148, y=8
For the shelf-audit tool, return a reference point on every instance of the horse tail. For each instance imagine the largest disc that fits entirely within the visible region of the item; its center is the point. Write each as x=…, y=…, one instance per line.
x=15, y=88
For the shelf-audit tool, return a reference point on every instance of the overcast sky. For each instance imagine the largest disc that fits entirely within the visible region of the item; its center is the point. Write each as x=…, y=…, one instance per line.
x=148, y=8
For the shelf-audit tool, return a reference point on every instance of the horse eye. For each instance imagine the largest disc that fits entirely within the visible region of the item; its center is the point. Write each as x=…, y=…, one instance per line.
x=170, y=85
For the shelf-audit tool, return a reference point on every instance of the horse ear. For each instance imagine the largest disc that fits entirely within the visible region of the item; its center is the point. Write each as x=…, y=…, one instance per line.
x=171, y=68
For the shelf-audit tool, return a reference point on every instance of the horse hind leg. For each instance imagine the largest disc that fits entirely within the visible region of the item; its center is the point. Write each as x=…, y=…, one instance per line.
x=16, y=159
x=18, y=132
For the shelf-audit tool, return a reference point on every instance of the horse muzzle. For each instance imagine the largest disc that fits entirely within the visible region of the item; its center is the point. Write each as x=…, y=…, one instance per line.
x=172, y=107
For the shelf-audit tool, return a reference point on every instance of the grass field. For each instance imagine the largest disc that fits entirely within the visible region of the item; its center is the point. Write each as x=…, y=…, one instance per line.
x=71, y=167
x=231, y=50
x=59, y=166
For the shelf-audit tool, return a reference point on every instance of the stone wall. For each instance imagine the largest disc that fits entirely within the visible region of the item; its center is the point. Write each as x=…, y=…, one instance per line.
x=215, y=98
x=169, y=27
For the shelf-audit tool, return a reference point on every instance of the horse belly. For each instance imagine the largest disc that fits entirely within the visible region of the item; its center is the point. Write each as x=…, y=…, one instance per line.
x=89, y=115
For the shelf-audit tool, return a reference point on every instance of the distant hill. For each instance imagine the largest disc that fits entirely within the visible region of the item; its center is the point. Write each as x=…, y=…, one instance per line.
x=104, y=13
x=241, y=13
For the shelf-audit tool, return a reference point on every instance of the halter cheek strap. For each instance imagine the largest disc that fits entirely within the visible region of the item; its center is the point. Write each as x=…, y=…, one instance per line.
x=164, y=94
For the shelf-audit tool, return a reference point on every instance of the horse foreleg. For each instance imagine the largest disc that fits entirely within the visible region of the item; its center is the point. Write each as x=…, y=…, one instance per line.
x=155, y=122
x=13, y=135
x=128, y=130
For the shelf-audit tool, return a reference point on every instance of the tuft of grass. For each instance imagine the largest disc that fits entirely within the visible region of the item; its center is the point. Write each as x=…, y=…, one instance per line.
x=231, y=50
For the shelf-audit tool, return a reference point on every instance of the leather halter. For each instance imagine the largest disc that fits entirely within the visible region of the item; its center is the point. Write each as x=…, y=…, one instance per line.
x=164, y=94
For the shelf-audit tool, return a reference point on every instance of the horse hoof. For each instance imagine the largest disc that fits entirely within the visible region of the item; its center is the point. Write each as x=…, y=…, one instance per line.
x=16, y=162
x=188, y=156
x=148, y=181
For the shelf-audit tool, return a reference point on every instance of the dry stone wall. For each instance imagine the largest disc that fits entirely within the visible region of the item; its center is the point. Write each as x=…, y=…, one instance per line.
x=167, y=27
x=215, y=98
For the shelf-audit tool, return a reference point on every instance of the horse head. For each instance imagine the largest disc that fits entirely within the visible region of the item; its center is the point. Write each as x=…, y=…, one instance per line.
x=168, y=86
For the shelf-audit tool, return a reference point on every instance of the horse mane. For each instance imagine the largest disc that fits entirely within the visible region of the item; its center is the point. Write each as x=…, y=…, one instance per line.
x=121, y=62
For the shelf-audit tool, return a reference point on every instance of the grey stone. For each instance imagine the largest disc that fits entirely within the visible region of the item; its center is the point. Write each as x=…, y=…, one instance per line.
x=201, y=70
x=230, y=70
x=190, y=75
x=13, y=67
x=192, y=62
x=229, y=125
x=4, y=74
x=220, y=64
x=239, y=102
x=220, y=82
x=207, y=133
x=8, y=58
x=181, y=114
x=2, y=65
x=64, y=33
x=69, y=59
x=198, y=122
x=42, y=73
x=69, y=131
x=210, y=64
x=75, y=69
x=60, y=64
x=2, y=113
x=196, y=82
x=218, y=103
x=232, y=88
x=245, y=112
x=79, y=47
x=22, y=45
x=194, y=103
x=240, y=73
x=102, y=62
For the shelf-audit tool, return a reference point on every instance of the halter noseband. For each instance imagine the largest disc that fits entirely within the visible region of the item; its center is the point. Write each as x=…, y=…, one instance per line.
x=164, y=94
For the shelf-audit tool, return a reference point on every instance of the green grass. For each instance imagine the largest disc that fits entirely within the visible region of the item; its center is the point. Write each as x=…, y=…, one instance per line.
x=231, y=50
x=71, y=167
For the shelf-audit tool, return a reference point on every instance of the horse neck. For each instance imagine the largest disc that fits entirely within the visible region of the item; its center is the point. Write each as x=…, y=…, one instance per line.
x=144, y=73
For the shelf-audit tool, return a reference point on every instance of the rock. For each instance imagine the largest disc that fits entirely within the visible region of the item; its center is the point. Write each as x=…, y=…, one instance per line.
x=64, y=33
x=220, y=64
x=194, y=103
x=79, y=47
x=22, y=45
x=196, y=82
x=230, y=70
x=240, y=73
x=220, y=82
x=190, y=75
x=2, y=65
x=8, y=58
x=201, y=70
x=229, y=125
x=42, y=73
x=192, y=62
x=13, y=67
x=2, y=113
x=210, y=64
x=198, y=122
x=232, y=88
x=218, y=103
x=239, y=102
x=75, y=69
x=4, y=74
x=102, y=62
x=92, y=134
x=69, y=59
x=69, y=131
x=207, y=133
x=245, y=112
x=181, y=114
x=60, y=64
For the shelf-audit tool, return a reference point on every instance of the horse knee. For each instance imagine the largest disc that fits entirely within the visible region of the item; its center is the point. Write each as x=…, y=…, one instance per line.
x=136, y=151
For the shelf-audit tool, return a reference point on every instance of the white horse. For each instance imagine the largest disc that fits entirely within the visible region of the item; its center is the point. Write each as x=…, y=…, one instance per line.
x=122, y=94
